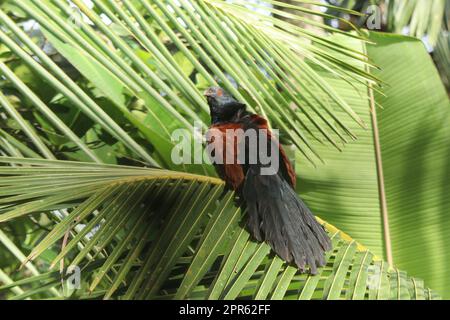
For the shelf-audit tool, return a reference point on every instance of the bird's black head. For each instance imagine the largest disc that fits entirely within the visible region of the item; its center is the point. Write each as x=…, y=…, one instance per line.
x=222, y=105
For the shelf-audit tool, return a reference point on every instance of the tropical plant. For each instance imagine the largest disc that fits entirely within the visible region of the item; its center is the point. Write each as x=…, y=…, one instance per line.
x=166, y=234
x=424, y=19
x=441, y=52
x=418, y=18
x=388, y=188
x=89, y=98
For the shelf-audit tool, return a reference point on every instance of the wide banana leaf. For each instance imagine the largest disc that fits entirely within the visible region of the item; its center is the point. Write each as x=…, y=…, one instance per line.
x=390, y=188
x=137, y=233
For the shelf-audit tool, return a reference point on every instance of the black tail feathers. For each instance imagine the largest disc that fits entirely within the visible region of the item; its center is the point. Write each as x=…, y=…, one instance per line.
x=278, y=216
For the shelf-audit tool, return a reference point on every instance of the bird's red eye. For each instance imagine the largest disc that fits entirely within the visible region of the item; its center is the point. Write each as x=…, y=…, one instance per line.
x=219, y=92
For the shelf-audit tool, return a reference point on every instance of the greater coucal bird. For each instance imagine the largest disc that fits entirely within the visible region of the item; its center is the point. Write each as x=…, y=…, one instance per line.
x=276, y=214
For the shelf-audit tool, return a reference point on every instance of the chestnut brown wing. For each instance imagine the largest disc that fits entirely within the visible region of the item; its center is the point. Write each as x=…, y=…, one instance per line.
x=226, y=149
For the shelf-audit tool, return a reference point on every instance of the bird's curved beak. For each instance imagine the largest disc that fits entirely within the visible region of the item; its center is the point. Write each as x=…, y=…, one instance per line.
x=207, y=92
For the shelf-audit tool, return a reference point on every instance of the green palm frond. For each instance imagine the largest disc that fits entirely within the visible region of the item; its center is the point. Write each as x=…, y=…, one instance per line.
x=13, y=249
x=418, y=18
x=141, y=233
x=164, y=53
x=421, y=17
x=441, y=52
